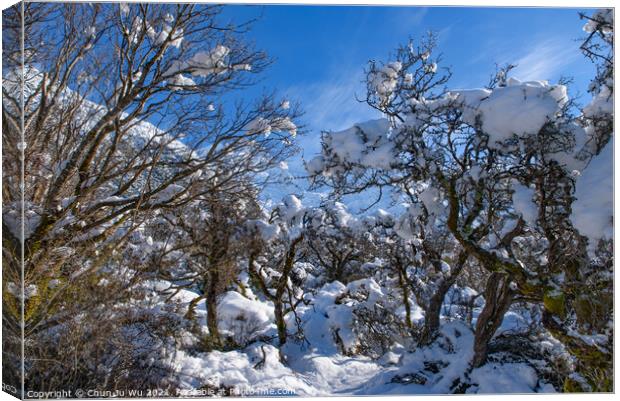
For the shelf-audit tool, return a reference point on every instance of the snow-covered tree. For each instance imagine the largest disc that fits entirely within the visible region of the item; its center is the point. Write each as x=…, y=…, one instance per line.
x=201, y=248
x=124, y=119
x=427, y=262
x=275, y=247
x=337, y=243
x=493, y=167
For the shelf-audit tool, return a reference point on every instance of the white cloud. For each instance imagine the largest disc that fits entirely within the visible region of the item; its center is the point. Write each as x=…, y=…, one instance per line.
x=332, y=105
x=546, y=60
x=328, y=105
x=417, y=17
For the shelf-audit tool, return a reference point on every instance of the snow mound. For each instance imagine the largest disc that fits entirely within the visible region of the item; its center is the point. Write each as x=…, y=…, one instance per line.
x=365, y=143
x=506, y=378
x=602, y=104
x=257, y=371
x=593, y=208
x=235, y=307
x=519, y=108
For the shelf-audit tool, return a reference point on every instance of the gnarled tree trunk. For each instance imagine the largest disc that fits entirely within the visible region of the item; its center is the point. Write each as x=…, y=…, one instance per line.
x=432, y=311
x=498, y=297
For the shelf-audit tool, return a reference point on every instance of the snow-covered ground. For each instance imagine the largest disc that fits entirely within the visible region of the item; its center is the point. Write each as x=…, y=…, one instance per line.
x=317, y=366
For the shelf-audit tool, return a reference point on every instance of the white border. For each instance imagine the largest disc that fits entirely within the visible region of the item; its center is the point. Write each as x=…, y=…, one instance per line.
x=475, y=3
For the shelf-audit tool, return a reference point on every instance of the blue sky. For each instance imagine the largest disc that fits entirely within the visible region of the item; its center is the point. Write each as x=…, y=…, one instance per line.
x=320, y=52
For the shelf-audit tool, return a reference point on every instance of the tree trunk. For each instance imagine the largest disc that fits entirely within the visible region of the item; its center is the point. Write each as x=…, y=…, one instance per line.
x=498, y=298
x=432, y=316
x=402, y=282
x=432, y=312
x=279, y=312
x=211, y=301
x=280, y=323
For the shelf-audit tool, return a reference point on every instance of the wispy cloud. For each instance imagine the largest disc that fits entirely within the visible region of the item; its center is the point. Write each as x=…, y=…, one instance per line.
x=418, y=16
x=331, y=105
x=546, y=60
